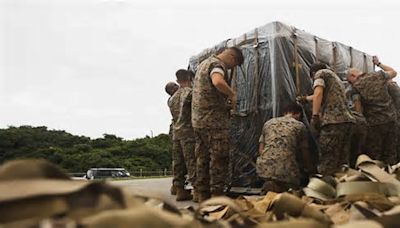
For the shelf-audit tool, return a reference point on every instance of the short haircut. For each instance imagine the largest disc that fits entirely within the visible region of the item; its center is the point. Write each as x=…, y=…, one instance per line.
x=171, y=88
x=316, y=67
x=353, y=70
x=184, y=75
x=238, y=54
x=293, y=108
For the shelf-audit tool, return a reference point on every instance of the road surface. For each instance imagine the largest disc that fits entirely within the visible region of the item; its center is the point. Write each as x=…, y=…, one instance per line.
x=159, y=187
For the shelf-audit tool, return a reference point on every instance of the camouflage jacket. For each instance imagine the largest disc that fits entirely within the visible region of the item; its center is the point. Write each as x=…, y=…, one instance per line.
x=173, y=105
x=209, y=106
x=183, y=125
x=372, y=89
x=285, y=139
x=334, y=107
x=394, y=91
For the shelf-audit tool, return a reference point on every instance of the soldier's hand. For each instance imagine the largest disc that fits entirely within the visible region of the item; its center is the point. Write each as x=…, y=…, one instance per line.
x=301, y=99
x=375, y=60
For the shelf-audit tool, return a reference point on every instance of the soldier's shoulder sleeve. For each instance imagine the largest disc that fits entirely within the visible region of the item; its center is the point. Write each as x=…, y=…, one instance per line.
x=217, y=68
x=319, y=82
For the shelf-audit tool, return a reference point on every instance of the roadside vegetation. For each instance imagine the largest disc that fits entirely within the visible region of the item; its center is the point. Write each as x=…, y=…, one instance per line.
x=79, y=153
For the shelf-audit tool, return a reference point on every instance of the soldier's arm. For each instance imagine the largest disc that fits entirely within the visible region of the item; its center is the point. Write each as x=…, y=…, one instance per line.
x=261, y=148
x=317, y=99
x=389, y=70
x=261, y=145
x=310, y=98
x=219, y=82
x=358, y=106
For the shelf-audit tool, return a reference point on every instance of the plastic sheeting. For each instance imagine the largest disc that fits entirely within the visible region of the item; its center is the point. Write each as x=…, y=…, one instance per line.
x=267, y=80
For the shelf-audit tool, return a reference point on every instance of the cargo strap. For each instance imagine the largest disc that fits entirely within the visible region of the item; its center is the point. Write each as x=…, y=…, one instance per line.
x=319, y=189
x=334, y=54
x=316, y=49
x=351, y=56
x=365, y=64
x=358, y=187
x=296, y=63
x=256, y=91
x=288, y=204
x=370, y=167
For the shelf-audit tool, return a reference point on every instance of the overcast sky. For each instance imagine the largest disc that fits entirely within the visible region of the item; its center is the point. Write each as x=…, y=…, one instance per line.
x=99, y=66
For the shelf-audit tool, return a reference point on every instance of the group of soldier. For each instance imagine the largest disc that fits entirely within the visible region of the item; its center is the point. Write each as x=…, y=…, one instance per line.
x=344, y=122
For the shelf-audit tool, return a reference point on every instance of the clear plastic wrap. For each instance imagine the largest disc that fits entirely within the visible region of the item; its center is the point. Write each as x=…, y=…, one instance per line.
x=268, y=80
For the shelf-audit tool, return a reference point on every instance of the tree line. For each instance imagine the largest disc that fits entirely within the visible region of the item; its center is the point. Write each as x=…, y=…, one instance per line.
x=79, y=153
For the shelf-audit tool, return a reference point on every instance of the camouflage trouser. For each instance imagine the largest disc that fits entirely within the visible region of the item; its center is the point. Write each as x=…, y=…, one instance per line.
x=184, y=161
x=381, y=143
x=358, y=139
x=334, y=143
x=212, y=153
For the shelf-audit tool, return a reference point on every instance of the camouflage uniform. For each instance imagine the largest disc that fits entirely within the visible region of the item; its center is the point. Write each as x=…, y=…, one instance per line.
x=285, y=141
x=178, y=162
x=336, y=123
x=358, y=137
x=394, y=91
x=378, y=109
x=183, y=135
x=210, y=119
x=359, y=129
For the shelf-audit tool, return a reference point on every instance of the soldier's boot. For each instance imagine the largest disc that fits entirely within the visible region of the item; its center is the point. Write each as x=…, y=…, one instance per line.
x=182, y=194
x=173, y=190
x=203, y=196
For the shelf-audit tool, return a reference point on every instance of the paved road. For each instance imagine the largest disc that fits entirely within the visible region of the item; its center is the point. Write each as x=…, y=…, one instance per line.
x=154, y=187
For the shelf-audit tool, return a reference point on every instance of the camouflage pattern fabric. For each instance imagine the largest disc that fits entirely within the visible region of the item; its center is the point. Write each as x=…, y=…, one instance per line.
x=394, y=91
x=334, y=108
x=285, y=139
x=183, y=124
x=212, y=164
x=173, y=104
x=358, y=137
x=334, y=142
x=209, y=106
x=184, y=161
x=372, y=89
x=183, y=139
x=381, y=142
x=380, y=113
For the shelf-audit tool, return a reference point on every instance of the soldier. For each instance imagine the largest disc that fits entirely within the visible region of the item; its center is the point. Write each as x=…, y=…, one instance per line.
x=371, y=93
x=170, y=89
x=210, y=119
x=283, y=150
x=183, y=137
x=331, y=118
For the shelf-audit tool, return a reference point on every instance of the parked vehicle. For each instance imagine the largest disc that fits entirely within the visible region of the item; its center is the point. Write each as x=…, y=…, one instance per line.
x=99, y=173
